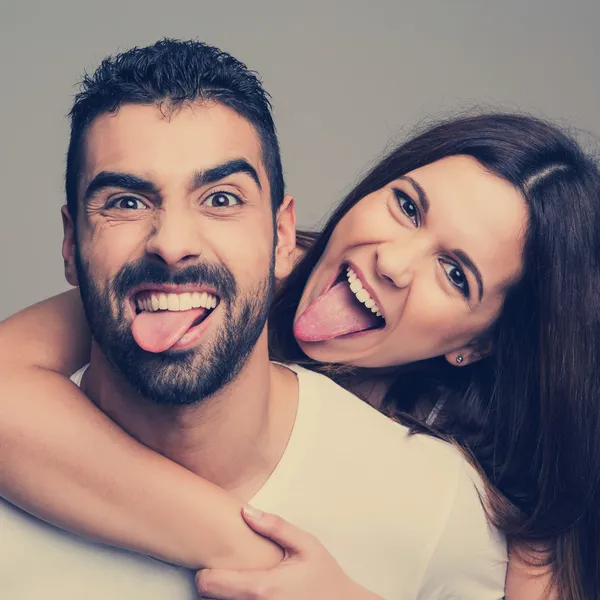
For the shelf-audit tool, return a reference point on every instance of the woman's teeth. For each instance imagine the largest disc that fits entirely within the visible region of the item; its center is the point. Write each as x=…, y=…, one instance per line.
x=176, y=302
x=359, y=291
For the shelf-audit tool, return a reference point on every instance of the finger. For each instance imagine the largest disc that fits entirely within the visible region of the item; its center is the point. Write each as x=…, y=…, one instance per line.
x=225, y=584
x=289, y=537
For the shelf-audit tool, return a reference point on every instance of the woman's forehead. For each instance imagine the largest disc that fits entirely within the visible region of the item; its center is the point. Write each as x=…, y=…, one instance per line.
x=477, y=212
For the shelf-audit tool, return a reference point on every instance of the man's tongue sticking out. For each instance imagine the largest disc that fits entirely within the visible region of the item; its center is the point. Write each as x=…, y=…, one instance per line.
x=158, y=331
x=335, y=313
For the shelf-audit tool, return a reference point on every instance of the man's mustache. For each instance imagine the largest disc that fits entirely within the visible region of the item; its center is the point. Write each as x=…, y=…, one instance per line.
x=148, y=272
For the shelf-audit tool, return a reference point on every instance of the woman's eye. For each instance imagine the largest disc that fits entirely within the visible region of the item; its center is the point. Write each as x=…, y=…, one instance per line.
x=222, y=200
x=408, y=207
x=456, y=277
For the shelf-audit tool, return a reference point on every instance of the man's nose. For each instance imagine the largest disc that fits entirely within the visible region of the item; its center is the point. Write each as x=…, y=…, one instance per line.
x=176, y=238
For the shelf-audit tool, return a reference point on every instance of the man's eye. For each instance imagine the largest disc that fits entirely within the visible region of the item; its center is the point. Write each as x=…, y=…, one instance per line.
x=222, y=200
x=128, y=203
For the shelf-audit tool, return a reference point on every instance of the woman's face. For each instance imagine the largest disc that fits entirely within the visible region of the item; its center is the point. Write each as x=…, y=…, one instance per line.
x=433, y=253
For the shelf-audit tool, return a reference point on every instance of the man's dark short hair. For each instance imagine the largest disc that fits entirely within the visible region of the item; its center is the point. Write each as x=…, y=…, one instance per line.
x=170, y=74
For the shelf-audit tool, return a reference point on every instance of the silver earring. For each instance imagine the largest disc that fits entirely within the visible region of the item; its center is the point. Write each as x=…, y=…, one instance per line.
x=460, y=358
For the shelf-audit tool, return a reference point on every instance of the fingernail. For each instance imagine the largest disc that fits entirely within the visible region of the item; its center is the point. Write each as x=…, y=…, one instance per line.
x=253, y=513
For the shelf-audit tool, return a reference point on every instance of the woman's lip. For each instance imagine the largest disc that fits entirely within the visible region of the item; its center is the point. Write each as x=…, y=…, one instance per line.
x=359, y=333
x=323, y=292
x=332, y=280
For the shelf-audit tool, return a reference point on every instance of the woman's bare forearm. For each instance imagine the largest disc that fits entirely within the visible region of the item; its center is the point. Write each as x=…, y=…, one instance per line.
x=52, y=334
x=66, y=462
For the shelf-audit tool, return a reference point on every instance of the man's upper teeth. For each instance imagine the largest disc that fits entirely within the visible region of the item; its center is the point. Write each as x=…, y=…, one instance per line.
x=176, y=302
x=359, y=291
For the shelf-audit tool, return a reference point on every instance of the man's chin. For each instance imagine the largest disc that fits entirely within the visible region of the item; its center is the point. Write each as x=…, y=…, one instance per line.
x=166, y=378
x=185, y=373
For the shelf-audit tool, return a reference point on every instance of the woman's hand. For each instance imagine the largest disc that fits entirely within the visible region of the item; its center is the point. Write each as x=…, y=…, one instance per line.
x=306, y=571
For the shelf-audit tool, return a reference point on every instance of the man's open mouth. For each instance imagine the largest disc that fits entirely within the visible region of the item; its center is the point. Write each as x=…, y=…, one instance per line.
x=165, y=319
x=156, y=301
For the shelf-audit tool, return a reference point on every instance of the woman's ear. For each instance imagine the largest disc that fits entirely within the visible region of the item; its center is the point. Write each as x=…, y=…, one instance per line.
x=472, y=352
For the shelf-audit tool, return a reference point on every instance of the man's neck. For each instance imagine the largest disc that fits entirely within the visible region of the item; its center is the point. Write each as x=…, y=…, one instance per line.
x=234, y=439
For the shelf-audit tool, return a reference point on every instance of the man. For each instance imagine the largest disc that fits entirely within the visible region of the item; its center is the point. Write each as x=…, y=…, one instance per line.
x=176, y=227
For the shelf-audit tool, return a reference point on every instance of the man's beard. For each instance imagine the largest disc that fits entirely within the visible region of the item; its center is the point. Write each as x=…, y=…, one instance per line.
x=176, y=377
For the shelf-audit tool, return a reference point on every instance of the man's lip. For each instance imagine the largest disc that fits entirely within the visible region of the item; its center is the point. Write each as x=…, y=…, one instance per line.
x=166, y=288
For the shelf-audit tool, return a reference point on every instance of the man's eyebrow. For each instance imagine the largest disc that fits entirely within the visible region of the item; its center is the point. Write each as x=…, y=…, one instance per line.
x=124, y=181
x=466, y=260
x=423, y=199
x=216, y=174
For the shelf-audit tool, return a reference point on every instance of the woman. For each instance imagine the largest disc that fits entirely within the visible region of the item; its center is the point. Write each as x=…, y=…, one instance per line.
x=475, y=245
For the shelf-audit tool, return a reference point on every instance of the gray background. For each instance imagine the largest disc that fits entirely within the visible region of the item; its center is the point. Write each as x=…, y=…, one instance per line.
x=347, y=78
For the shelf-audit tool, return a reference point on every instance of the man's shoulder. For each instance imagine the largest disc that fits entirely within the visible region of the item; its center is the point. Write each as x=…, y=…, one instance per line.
x=77, y=377
x=355, y=423
x=352, y=453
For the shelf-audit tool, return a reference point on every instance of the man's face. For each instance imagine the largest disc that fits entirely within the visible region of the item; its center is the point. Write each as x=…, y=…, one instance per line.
x=174, y=246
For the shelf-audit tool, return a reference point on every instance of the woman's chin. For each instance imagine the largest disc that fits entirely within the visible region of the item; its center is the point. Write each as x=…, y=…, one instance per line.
x=321, y=351
x=328, y=351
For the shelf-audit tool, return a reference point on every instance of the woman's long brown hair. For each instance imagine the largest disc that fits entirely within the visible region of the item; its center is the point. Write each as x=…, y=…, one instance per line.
x=530, y=413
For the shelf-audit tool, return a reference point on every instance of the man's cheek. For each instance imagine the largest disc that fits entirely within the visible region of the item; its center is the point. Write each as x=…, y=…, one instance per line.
x=249, y=269
x=108, y=254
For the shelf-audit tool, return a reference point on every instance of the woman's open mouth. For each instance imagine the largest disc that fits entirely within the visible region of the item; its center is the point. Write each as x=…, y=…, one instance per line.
x=346, y=308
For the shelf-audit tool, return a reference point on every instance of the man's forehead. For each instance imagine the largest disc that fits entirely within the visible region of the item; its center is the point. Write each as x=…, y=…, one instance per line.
x=146, y=140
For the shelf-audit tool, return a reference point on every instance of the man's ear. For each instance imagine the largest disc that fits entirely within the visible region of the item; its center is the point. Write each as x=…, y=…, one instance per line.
x=68, y=246
x=472, y=352
x=286, y=238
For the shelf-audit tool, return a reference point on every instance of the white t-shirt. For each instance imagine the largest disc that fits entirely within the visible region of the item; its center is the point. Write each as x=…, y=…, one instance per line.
x=401, y=514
